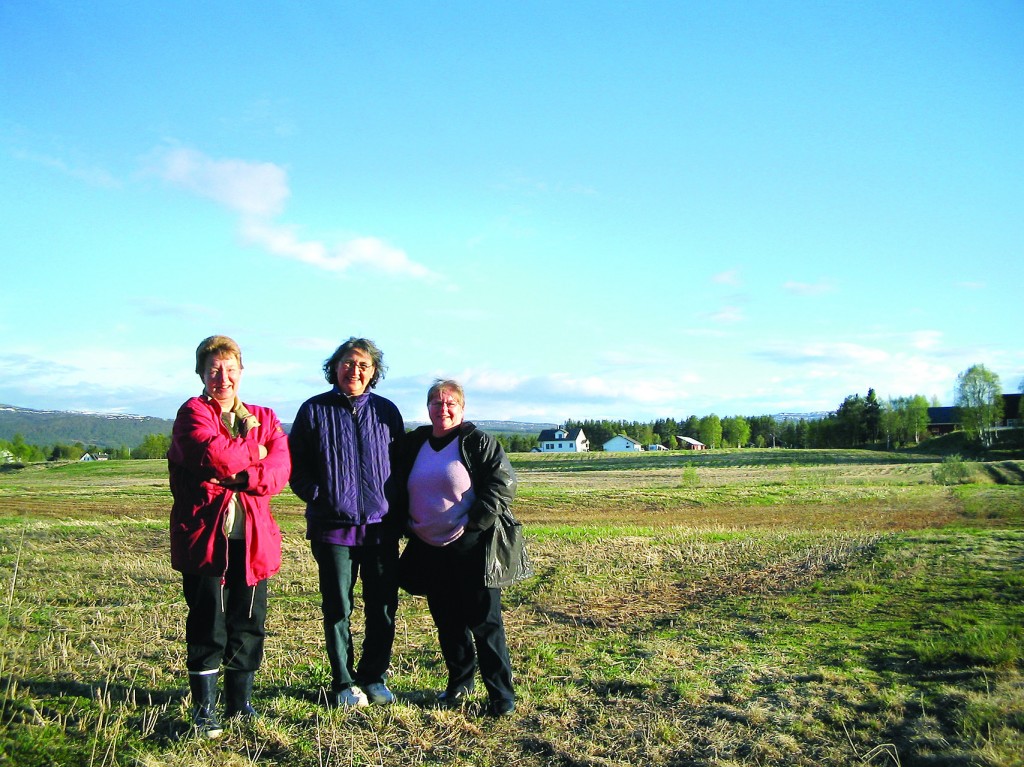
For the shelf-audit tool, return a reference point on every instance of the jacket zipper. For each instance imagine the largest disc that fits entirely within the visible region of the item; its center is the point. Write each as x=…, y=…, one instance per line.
x=359, y=471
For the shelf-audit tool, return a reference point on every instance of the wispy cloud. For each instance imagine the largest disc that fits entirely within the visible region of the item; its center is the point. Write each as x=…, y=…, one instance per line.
x=728, y=277
x=808, y=288
x=541, y=186
x=831, y=353
x=85, y=378
x=159, y=307
x=90, y=174
x=257, y=189
x=727, y=315
x=926, y=339
x=360, y=252
x=257, y=192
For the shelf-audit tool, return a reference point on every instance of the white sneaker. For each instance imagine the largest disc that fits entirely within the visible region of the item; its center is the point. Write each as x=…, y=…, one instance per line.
x=350, y=697
x=379, y=694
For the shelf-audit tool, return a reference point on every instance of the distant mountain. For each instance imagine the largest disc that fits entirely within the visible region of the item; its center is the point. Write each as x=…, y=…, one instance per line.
x=50, y=427
x=513, y=427
x=781, y=417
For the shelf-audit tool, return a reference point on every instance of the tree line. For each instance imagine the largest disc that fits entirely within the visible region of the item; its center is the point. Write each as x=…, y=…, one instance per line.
x=857, y=422
x=17, y=449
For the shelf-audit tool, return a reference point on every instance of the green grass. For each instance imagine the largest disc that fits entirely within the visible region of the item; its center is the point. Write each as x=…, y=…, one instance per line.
x=830, y=609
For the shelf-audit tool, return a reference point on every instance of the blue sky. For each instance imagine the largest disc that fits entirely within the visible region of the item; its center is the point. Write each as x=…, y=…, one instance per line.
x=580, y=210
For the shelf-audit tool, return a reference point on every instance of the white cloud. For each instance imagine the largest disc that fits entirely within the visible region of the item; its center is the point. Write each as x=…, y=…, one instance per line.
x=249, y=188
x=925, y=339
x=368, y=252
x=257, y=192
x=97, y=378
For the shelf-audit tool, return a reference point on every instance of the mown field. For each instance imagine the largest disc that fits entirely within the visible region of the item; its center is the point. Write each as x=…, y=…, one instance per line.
x=755, y=607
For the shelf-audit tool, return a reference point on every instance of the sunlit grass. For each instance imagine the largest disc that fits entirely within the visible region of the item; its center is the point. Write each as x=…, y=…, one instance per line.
x=817, y=617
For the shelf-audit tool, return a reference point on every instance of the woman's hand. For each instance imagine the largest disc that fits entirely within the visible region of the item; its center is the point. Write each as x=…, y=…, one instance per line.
x=241, y=479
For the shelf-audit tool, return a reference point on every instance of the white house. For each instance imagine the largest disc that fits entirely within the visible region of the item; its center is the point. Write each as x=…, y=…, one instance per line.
x=562, y=441
x=688, y=443
x=656, y=446
x=620, y=443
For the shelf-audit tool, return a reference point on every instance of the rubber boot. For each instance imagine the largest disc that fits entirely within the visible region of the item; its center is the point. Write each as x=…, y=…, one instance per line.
x=238, y=691
x=204, y=705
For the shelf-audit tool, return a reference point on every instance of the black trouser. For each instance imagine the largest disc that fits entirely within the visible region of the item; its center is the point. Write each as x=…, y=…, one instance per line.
x=225, y=629
x=470, y=629
x=377, y=566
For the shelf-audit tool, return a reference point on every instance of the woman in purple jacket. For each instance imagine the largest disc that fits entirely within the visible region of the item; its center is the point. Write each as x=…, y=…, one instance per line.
x=341, y=469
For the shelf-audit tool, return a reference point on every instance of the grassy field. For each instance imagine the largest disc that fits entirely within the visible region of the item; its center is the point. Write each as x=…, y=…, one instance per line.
x=755, y=607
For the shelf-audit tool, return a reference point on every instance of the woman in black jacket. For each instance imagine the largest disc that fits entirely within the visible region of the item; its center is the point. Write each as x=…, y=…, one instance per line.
x=455, y=481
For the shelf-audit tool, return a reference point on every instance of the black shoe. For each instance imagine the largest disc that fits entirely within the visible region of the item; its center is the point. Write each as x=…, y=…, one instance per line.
x=501, y=707
x=454, y=696
x=204, y=705
x=238, y=691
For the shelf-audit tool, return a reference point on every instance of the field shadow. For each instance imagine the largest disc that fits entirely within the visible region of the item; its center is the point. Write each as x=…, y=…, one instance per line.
x=147, y=711
x=1005, y=473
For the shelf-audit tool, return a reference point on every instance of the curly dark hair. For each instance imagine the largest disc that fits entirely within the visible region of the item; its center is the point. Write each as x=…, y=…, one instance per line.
x=364, y=345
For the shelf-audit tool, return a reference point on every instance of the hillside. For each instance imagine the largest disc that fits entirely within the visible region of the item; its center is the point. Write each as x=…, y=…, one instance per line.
x=49, y=427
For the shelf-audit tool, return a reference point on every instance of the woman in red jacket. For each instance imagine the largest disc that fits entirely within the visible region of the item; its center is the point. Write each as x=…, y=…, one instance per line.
x=226, y=460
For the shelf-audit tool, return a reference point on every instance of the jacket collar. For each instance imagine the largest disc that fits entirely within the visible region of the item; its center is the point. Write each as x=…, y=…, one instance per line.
x=353, y=403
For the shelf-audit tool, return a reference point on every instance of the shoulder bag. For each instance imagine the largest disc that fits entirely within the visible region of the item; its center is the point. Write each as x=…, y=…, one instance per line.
x=505, y=559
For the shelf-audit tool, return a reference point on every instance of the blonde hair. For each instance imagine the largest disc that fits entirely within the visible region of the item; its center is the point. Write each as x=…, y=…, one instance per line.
x=215, y=346
x=447, y=385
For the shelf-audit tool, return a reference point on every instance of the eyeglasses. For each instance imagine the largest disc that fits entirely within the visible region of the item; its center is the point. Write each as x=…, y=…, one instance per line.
x=444, y=403
x=362, y=367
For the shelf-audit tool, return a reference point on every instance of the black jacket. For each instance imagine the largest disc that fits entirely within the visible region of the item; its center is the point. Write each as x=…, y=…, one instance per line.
x=491, y=474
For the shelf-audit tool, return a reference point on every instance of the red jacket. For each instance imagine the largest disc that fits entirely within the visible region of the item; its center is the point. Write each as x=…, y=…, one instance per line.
x=202, y=449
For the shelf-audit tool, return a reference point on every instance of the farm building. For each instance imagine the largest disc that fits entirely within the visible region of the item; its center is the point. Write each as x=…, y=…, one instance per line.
x=688, y=443
x=620, y=443
x=655, y=447
x=562, y=441
x=943, y=420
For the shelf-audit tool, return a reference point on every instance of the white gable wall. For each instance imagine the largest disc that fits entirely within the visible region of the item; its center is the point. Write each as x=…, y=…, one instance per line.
x=621, y=444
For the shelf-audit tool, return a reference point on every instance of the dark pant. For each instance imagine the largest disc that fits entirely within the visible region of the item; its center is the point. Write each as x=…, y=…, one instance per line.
x=339, y=566
x=470, y=629
x=225, y=627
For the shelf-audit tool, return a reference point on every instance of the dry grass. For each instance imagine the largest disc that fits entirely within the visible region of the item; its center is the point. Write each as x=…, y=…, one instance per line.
x=670, y=624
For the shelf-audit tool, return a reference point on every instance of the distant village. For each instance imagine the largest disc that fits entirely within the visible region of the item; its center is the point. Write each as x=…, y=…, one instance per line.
x=940, y=421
